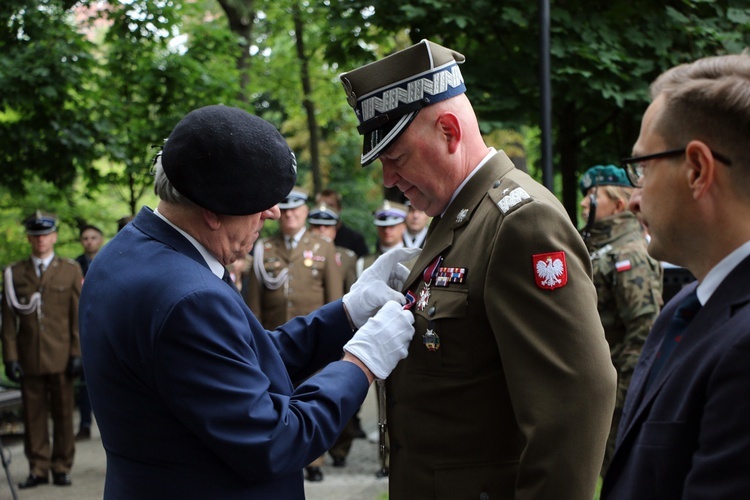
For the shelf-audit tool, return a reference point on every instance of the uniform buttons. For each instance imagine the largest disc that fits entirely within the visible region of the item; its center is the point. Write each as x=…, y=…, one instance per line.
x=431, y=311
x=289, y=304
x=496, y=184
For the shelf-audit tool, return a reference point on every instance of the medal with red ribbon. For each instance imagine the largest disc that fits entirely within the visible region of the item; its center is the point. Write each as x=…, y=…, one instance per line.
x=428, y=276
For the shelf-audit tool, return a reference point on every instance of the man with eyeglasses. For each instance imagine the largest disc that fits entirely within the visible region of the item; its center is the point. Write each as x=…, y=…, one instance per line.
x=685, y=430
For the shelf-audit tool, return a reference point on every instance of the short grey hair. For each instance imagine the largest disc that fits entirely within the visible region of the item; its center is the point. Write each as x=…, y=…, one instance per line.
x=164, y=189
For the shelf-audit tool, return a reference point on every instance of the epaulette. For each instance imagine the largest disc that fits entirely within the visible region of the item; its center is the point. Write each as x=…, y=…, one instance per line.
x=508, y=196
x=346, y=251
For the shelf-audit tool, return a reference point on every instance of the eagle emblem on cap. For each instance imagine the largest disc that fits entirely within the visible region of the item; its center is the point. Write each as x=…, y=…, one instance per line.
x=351, y=97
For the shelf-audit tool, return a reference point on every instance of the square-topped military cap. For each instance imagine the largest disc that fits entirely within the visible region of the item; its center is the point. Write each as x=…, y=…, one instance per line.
x=39, y=223
x=323, y=215
x=387, y=94
x=390, y=214
x=296, y=198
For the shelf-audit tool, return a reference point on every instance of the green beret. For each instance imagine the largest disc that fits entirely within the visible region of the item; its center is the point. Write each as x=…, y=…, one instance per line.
x=229, y=161
x=387, y=94
x=603, y=175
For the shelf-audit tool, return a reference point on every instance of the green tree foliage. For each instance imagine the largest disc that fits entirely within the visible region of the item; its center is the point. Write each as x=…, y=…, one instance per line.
x=603, y=56
x=45, y=66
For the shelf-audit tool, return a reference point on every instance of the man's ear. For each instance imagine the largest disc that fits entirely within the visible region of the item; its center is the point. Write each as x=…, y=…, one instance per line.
x=450, y=126
x=701, y=168
x=212, y=219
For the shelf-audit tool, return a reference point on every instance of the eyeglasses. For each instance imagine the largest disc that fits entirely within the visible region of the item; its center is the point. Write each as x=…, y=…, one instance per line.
x=635, y=166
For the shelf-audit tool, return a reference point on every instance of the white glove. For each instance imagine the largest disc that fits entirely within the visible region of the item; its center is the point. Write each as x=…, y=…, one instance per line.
x=384, y=340
x=379, y=283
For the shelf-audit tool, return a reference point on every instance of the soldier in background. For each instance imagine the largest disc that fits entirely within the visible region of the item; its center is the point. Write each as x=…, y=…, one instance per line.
x=323, y=221
x=92, y=239
x=294, y=273
x=628, y=281
x=345, y=236
x=416, y=227
x=390, y=221
x=41, y=349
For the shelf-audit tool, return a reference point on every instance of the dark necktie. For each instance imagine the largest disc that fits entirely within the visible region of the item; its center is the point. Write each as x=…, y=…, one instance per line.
x=41, y=270
x=684, y=314
x=228, y=280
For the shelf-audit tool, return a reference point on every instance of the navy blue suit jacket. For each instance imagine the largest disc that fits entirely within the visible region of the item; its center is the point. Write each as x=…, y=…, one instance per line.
x=688, y=436
x=193, y=398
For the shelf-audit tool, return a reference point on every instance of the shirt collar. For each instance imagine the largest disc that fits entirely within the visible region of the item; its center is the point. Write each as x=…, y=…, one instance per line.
x=720, y=271
x=213, y=263
x=36, y=261
x=489, y=155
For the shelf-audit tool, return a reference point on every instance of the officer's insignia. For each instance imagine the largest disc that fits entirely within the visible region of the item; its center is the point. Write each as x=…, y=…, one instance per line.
x=462, y=215
x=351, y=97
x=448, y=275
x=550, y=270
x=512, y=199
x=424, y=297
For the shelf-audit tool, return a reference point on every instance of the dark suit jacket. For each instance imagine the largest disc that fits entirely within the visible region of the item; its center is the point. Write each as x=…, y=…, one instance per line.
x=688, y=436
x=194, y=399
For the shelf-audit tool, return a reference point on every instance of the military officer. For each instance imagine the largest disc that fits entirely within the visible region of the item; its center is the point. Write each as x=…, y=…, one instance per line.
x=390, y=222
x=628, y=281
x=41, y=349
x=294, y=273
x=323, y=221
x=416, y=227
x=508, y=389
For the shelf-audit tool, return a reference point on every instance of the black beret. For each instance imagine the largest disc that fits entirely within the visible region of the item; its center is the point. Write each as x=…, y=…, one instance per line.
x=229, y=161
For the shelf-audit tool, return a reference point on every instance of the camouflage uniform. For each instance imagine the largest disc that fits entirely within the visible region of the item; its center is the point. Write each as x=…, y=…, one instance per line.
x=629, y=286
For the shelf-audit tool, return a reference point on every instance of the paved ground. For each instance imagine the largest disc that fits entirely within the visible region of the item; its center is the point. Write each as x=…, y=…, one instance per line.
x=356, y=481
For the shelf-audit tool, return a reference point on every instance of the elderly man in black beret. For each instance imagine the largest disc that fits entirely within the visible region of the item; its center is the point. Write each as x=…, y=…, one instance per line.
x=193, y=397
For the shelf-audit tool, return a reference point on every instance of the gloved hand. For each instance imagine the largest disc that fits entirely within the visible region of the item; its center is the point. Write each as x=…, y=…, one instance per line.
x=13, y=371
x=379, y=283
x=75, y=366
x=384, y=340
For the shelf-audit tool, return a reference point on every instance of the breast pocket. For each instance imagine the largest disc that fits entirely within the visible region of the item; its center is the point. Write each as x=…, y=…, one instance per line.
x=442, y=340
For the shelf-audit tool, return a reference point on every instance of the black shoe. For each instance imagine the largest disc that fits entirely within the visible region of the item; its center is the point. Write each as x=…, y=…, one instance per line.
x=83, y=434
x=382, y=472
x=358, y=433
x=339, y=461
x=61, y=479
x=314, y=474
x=32, y=481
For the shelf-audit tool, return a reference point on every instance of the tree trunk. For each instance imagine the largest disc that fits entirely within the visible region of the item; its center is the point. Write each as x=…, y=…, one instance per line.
x=241, y=15
x=307, y=100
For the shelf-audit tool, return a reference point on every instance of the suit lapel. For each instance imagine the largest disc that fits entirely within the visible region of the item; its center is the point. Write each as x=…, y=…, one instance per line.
x=731, y=295
x=441, y=233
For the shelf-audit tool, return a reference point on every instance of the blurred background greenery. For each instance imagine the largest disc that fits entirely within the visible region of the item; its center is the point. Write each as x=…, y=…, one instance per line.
x=90, y=89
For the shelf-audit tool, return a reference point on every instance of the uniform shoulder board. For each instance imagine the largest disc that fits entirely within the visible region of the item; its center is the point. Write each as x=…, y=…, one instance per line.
x=346, y=251
x=508, y=196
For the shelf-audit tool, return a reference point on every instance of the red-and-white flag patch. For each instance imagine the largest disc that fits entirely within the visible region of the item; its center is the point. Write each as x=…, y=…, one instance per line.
x=550, y=270
x=623, y=265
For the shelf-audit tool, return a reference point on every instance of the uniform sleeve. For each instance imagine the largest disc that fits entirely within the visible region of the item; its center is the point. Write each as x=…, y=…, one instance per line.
x=227, y=384
x=334, y=279
x=253, y=293
x=9, y=332
x=75, y=296
x=556, y=359
x=637, y=294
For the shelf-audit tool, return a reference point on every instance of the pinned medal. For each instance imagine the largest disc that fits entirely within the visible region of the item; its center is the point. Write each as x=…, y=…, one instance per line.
x=431, y=340
x=308, y=255
x=428, y=276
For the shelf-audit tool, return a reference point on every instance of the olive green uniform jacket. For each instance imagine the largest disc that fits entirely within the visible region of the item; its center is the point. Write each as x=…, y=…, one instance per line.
x=629, y=285
x=43, y=341
x=314, y=279
x=517, y=400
